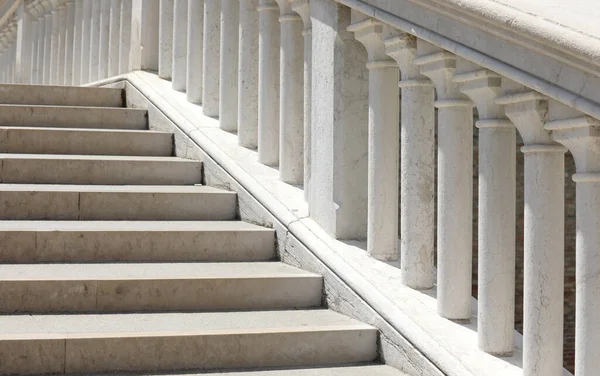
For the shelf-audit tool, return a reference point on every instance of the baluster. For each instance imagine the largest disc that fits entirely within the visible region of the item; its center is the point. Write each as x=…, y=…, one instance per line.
x=195, y=41
x=248, y=74
x=144, y=35
x=77, y=36
x=103, y=39
x=61, y=47
x=497, y=213
x=86, y=25
x=384, y=140
x=47, y=42
x=455, y=183
x=417, y=147
x=211, y=57
x=165, y=39
x=35, y=24
x=268, y=82
x=544, y=231
x=125, y=30
x=180, y=45
x=114, y=38
x=228, y=81
x=291, y=110
x=95, y=40
x=69, y=43
x=23, y=45
x=302, y=7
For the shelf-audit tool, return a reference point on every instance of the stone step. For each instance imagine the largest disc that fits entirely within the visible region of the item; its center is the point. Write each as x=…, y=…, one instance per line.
x=142, y=241
x=73, y=117
x=177, y=341
x=37, y=140
x=102, y=170
x=61, y=95
x=351, y=370
x=135, y=287
x=116, y=202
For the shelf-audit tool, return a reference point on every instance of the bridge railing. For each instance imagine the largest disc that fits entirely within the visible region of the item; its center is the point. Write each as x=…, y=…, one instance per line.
x=343, y=96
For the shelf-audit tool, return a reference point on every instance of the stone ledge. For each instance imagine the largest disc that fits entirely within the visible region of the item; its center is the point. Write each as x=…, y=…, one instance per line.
x=414, y=337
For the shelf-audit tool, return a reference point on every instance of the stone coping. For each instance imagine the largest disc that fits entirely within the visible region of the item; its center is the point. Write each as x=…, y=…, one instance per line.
x=451, y=346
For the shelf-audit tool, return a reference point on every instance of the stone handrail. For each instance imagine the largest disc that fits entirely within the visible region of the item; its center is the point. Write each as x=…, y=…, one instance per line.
x=315, y=86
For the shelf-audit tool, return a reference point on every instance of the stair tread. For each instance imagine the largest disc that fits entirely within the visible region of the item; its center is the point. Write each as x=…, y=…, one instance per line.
x=146, y=271
x=82, y=108
x=77, y=157
x=84, y=130
x=121, y=226
x=356, y=370
x=197, y=189
x=172, y=324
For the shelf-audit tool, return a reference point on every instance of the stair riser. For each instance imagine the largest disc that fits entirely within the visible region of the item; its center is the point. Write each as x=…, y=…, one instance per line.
x=28, y=205
x=159, y=295
x=85, y=171
x=61, y=96
x=45, y=141
x=152, y=246
x=73, y=117
x=180, y=352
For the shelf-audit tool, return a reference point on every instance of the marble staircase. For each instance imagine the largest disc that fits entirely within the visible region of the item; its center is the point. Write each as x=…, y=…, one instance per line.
x=115, y=258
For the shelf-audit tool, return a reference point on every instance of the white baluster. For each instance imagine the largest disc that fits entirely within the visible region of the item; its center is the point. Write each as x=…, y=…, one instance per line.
x=165, y=39
x=195, y=41
x=248, y=74
x=125, y=30
x=86, y=26
x=211, y=58
x=47, y=42
x=114, y=38
x=69, y=43
x=95, y=41
x=23, y=45
x=144, y=35
x=179, y=74
x=228, y=81
x=103, y=40
x=77, y=36
x=61, y=48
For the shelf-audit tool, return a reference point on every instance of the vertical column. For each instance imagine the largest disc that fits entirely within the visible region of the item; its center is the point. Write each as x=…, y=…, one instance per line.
x=455, y=183
x=211, y=57
x=77, y=36
x=544, y=232
x=195, y=42
x=268, y=82
x=497, y=216
x=114, y=38
x=125, y=40
x=302, y=7
x=417, y=148
x=180, y=45
x=95, y=41
x=35, y=24
x=579, y=133
x=144, y=35
x=104, y=37
x=69, y=43
x=86, y=25
x=228, y=82
x=248, y=74
x=291, y=104
x=62, y=44
x=54, y=41
x=39, y=61
x=23, y=45
x=165, y=39
x=47, y=43
x=338, y=198
x=384, y=140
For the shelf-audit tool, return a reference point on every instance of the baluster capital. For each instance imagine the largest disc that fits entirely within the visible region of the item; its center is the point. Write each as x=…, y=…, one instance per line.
x=302, y=7
x=369, y=32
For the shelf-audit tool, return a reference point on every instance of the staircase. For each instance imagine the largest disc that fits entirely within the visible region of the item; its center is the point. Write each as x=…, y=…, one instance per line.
x=115, y=258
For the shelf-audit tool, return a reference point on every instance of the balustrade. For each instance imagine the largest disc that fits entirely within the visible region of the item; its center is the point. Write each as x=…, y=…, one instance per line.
x=343, y=103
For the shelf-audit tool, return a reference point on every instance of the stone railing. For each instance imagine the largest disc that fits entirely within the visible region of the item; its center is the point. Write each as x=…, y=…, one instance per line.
x=318, y=88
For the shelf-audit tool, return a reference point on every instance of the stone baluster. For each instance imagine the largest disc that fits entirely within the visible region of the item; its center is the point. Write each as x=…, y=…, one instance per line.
x=125, y=30
x=228, y=81
x=544, y=231
x=417, y=148
x=47, y=41
x=35, y=36
x=455, y=183
x=54, y=45
x=114, y=38
x=384, y=140
x=144, y=48
x=39, y=61
x=211, y=57
x=302, y=7
x=195, y=42
x=268, y=82
x=497, y=212
x=95, y=41
x=77, y=36
x=69, y=43
x=86, y=25
x=165, y=40
x=61, y=45
x=338, y=198
x=291, y=109
x=23, y=44
x=248, y=74
x=104, y=39
x=178, y=77
x=579, y=133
